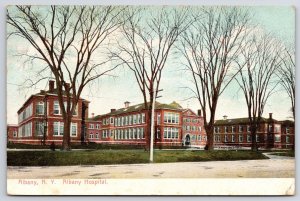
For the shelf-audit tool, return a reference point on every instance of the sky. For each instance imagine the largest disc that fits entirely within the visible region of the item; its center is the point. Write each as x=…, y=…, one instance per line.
x=111, y=92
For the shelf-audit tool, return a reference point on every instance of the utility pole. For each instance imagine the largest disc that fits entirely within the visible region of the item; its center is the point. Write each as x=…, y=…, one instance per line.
x=152, y=124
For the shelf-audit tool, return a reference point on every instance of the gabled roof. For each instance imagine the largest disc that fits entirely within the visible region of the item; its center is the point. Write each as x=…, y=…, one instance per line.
x=244, y=120
x=140, y=107
x=185, y=111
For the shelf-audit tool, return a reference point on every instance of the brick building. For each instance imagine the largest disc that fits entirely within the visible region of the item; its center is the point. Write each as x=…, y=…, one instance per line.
x=270, y=133
x=40, y=119
x=12, y=131
x=128, y=125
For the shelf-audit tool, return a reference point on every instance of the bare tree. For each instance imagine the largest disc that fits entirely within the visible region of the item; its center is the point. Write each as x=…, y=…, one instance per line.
x=66, y=39
x=209, y=48
x=259, y=61
x=148, y=37
x=286, y=73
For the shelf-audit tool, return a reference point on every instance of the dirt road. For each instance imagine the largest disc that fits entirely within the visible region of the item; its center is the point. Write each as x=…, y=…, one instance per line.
x=272, y=168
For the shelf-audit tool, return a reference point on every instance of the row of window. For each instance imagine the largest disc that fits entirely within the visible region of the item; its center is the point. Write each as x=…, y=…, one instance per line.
x=58, y=129
x=198, y=138
x=92, y=126
x=171, y=118
x=192, y=128
x=241, y=129
x=131, y=133
x=27, y=112
x=57, y=111
x=25, y=130
x=189, y=120
x=217, y=138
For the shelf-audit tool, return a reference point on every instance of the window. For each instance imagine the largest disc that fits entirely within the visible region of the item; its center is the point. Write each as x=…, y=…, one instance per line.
x=277, y=138
x=171, y=133
x=241, y=138
x=56, y=108
x=91, y=126
x=133, y=133
x=40, y=108
x=27, y=112
x=257, y=138
x=226, y=138
x=91, y=135
x=126, y=120
x=73, y=129
x=130, y=120
x=75, y=111
x=270, y=128
x=112, y=120
x=158, y=118
x=226, y=129
x=107, y=121
x=199, y=137
x=248, y=129
x=15, y=133
x=143, y=118
x=139, y=118
x=142, y=133
x=249, y=138
x=129, y=133
x=171, y=118
x=115, y=121
x=277, y=128
x=39, y=128
x=138, y=133
x=216, y=129
x=158, y=133
x=287, y=130
x=240, y=128
x=97, y=136
x=126, y=136
x=232, y=138
x=97, y=126
x=58, y=128
x=232, y=129
x=200, y=128
x=134, y=119
x=287, y=139
x=122, y=134
x=122, y=121
x=119, y=121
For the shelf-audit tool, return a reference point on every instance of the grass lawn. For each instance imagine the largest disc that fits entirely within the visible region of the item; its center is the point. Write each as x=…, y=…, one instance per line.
x=105, y=157
x=288, y=153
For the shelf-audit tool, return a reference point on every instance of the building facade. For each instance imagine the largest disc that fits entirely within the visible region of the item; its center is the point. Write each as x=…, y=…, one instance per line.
x=128, y=125
x=40, y=119
x=235, y=133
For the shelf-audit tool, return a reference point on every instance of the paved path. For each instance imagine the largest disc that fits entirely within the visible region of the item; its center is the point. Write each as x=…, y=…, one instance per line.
x=270, y=168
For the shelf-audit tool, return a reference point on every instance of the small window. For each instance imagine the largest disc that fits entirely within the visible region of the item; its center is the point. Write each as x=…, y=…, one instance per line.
x=56, y=108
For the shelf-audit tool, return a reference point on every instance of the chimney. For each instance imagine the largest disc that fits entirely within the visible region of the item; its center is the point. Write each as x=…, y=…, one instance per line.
x=270, y=115
x=225, y=117
x=51, y=85
x=199, y=113
x=93, y=115
x=112, y=110
x=126, y=104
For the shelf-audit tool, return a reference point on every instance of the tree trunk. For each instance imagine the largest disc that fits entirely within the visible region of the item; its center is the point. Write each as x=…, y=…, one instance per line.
x=253, y=139
x=66, y=144
x=210, y=137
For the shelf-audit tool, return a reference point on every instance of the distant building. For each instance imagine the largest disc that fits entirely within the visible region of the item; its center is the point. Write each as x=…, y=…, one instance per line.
x=40, y=119
x=270, y=133
x=12, y=131
x=128, y=125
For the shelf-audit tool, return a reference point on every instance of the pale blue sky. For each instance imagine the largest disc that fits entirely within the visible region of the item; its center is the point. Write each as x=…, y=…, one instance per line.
x=113, y=92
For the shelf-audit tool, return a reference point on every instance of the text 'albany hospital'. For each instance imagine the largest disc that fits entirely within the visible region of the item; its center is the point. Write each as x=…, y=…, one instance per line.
x=40, y=119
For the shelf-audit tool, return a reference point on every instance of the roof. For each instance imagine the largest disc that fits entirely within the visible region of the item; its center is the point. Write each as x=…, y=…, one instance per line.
x=287, y=122
x=244, y=120
x=140, y=107
x=53, y=92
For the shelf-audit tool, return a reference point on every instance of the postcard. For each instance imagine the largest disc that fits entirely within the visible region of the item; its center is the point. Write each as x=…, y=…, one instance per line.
x=150, y=100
